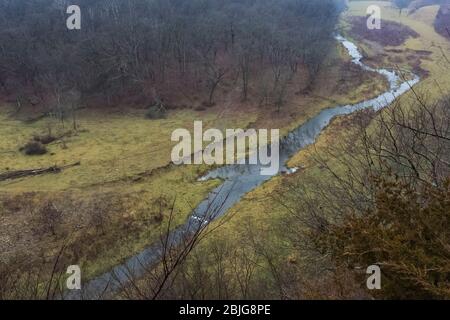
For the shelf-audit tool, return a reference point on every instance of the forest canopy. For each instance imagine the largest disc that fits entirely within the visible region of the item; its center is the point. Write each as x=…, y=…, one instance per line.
x=150, y=48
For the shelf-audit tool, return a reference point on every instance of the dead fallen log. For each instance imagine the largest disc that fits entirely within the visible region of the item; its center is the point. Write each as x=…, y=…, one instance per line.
x=12, y=175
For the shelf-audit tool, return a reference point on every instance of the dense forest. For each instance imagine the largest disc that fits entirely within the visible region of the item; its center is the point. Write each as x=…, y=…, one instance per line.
x=155, y=50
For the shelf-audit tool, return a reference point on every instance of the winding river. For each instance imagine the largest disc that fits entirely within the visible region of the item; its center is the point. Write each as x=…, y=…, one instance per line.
x=238, y=180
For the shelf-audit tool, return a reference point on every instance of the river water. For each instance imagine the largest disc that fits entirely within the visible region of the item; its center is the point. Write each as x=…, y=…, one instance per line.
x=238, y=180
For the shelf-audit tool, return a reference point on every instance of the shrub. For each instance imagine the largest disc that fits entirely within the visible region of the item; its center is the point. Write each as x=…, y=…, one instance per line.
x=33, y=148
x=406, y=232
x=207, y=104
x=156, y=112
x=200, y=108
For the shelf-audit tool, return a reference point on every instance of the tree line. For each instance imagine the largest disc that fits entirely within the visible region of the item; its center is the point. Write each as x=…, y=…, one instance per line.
x=154, y=48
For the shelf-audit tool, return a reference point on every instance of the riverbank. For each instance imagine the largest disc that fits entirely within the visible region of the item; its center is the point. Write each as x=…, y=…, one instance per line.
x=256, y=254
x=241, y=180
